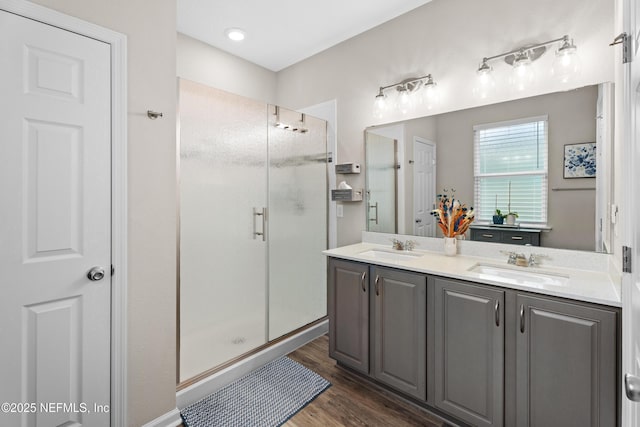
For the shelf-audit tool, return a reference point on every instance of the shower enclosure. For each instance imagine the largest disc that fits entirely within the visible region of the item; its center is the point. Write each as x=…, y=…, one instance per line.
x=253, y=223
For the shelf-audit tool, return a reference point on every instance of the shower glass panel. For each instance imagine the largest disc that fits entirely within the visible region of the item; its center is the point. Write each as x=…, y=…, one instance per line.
x=297, y=220
x=223, y=170
x=381, y=163
x=253, y=224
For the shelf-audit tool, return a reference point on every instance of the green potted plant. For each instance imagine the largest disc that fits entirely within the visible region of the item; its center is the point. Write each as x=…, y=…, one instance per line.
x=498, y=217
x=511, y=218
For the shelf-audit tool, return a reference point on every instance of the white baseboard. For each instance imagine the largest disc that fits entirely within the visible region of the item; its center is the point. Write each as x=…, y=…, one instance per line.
x=226, y=376
x=170, y=419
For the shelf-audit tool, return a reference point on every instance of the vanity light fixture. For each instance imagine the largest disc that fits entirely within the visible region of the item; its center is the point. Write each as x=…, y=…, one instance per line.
x=566, y=65
x=235, y=34
x=408, y=94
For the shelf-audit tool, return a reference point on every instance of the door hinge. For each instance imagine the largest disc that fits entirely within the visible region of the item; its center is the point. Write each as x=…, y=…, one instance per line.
x=626, y=259
x=113, y=270
x=625, y=40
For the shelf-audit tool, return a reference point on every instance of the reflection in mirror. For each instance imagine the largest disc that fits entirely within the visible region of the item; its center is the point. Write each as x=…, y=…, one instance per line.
x=577, y=209
x=382, y=183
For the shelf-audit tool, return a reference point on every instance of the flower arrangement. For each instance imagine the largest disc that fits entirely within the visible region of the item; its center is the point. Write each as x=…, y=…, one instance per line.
x=454, y=218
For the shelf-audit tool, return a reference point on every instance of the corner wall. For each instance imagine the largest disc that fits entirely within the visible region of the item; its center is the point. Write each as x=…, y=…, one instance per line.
x=203, y=63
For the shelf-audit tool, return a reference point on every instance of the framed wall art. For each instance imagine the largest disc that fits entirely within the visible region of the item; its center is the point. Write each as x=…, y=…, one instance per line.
x=580, y=160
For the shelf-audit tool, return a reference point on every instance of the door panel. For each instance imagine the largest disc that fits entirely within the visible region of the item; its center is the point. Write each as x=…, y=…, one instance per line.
x=565, y=364
x=469, y=352
x=223, y=170
x=424, y=187
x=55, y=163
x=400, y=330
x=349, y=314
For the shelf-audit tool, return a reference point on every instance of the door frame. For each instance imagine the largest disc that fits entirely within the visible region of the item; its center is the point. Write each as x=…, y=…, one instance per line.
x=629, y=231
x=118, y=43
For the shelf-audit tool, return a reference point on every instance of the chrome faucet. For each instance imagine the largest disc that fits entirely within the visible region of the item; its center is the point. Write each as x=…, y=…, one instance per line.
x=397, y=244
x=408, y=245
x=521, y=259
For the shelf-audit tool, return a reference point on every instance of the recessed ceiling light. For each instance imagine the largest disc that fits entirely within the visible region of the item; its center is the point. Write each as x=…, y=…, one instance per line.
x=235, y=34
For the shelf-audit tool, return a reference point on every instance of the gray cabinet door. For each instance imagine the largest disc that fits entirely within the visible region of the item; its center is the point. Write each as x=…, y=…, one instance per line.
x=565, y=364
x=399, y=328
x=469, y=351
x=349, y=313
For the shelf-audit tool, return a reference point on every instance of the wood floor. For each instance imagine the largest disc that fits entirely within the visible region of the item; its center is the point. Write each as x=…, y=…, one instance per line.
x=351, y=401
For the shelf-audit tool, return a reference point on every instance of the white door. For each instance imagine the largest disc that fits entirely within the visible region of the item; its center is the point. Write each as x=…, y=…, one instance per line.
x=424, y=187
x=631, y=281
x=55, y=216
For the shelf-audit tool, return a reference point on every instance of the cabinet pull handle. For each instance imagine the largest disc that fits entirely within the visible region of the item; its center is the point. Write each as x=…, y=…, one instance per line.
x=496, y=309
x=364, y=274
x=377, y=285
x=489, y=236
x=516, y=238
x=522, y=318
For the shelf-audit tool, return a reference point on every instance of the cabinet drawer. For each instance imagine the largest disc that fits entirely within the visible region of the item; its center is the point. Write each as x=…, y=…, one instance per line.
x=486, y=235
x=517, y=237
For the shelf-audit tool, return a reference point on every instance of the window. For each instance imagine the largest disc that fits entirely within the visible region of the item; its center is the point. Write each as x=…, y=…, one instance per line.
x=511, y=163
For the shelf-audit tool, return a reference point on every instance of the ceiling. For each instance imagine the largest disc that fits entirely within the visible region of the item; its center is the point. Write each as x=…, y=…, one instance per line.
x=283, y=32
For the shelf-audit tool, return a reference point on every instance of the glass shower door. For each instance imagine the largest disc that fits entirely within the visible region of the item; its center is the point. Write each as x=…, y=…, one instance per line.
x=223, y=172
x=297, y=220
x=381, y=163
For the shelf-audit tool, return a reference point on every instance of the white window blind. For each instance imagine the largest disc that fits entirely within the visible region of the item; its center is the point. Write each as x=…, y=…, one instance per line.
x=512, y=154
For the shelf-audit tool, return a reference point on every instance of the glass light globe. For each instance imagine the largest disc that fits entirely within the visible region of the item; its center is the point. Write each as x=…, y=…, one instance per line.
x=379, y=106
x=430, y=94
x=522, y=74
x=405, y=102
x=566, y=65
x=485, y=83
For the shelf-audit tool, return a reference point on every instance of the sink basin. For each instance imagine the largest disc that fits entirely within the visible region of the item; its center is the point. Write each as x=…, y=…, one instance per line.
x=389, y=254
x=519, y=275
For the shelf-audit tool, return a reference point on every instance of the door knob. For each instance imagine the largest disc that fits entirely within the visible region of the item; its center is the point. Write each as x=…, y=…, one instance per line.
x=632, y=387
x=95, y=274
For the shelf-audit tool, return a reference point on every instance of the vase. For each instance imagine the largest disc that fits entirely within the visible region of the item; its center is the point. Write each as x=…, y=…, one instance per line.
x=511, y=219
x=498, y=219
x=450, y=246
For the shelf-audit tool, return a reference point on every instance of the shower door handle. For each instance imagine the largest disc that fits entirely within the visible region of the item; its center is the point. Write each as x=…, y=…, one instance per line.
x=376, y=208
x=262, y=214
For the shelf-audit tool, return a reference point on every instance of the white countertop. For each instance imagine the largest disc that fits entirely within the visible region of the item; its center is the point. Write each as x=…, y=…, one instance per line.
x=583, y=285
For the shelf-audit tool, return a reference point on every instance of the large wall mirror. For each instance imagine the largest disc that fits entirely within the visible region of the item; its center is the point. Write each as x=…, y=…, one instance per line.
x=408, y=163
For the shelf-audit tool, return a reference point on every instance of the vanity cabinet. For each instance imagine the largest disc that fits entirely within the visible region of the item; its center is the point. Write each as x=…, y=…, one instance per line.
x=484, y=355
x=399, y=330
x=565, y=363
x=469, y=351
x=348, y=296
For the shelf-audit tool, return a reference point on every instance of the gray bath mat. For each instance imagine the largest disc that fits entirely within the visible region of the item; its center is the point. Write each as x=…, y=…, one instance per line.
x=266, y=397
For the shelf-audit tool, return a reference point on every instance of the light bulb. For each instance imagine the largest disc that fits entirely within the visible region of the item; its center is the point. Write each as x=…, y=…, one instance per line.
x=429, y=93
x=566, y=64
x=379, y=106
x=405, y=103
x=485, y=83
x=522, y=75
